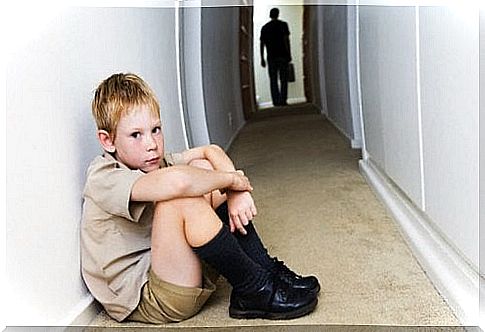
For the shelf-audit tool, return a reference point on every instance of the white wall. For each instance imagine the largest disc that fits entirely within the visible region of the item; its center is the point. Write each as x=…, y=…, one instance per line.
x=449, y=100
x=354, y=75
x=420, y=108
x=334, y=54
x=316, y=57
x=319, y=31
x=482, y=163
x=220, y=71
x=336, y=59
x=191, y=66
x=389, y=93
x=51, y=74
x=293, y=15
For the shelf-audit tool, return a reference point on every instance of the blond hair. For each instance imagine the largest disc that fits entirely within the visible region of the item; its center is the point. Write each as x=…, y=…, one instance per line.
x=117, y=95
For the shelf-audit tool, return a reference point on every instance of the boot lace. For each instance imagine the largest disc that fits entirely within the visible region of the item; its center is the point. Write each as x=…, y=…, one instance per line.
x=283, y=271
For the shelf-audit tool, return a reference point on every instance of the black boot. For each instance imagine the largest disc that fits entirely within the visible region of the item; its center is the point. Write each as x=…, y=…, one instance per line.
x=275, y=300
x=255, y=293
x=252, y=245
x=310, y=283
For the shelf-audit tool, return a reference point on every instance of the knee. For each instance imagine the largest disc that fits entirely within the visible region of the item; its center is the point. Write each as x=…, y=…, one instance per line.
x=202, y=163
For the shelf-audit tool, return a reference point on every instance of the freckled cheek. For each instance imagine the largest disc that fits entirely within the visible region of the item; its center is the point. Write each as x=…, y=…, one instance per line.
x=134, y=153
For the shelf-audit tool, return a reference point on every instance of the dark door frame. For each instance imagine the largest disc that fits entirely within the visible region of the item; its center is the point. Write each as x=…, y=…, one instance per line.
x=246, y=61
x=307, y=56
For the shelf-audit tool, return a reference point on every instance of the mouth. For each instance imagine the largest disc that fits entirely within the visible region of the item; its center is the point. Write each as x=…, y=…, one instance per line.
x=152, y=161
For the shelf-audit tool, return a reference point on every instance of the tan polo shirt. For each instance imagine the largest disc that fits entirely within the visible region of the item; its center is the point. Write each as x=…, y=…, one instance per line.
x=116, y=235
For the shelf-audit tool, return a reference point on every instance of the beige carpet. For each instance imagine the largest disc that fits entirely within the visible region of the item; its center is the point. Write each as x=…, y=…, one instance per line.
x=317, y=213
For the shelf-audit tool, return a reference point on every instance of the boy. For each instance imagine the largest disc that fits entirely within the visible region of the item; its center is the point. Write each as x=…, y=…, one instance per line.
x=153, y=220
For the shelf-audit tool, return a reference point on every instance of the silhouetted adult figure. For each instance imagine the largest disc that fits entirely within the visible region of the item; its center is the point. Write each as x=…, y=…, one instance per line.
x=275, y=36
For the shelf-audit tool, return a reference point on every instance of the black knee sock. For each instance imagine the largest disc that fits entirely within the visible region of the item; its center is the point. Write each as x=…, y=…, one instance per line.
x=225, y=255
x=251, y=242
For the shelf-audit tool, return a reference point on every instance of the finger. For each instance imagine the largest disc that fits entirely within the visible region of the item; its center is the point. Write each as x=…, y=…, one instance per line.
x=235, y=219
x=254, y=210
x=249, y=215
x=232, y=228
x=239, y=225
x=243, y=218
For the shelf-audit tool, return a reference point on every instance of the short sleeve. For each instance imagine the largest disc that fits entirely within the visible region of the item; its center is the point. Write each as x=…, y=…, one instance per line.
x=109, y=186
x=286, y=29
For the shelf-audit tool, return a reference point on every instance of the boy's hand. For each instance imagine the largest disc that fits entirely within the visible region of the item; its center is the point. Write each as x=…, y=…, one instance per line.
x=241, y=209
x=240, y=182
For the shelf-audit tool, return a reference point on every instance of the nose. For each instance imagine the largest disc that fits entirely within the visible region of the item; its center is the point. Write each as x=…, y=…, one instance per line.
x=150, y=143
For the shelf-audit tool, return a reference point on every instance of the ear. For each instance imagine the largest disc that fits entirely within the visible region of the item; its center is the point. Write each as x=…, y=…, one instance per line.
x=106, y=141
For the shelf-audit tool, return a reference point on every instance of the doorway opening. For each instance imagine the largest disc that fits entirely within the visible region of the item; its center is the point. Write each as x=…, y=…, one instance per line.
x=255, y=86
x=293, y=16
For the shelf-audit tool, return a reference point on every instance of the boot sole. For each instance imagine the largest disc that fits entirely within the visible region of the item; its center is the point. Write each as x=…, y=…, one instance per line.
x=253, y=314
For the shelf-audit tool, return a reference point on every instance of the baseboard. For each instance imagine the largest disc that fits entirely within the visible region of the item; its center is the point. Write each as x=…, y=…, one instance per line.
x=266, y=104
x=298, y=100
x=83, y=313
x=356, y=143
x=456, y=281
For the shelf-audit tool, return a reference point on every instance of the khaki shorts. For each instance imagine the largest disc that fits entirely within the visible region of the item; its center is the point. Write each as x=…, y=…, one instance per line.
x=163, y=302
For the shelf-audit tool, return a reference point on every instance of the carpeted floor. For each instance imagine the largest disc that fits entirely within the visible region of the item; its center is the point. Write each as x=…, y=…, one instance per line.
x=317, y=213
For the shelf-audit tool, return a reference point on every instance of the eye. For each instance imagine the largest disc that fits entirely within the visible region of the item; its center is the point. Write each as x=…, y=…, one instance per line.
x=157, y=130
x=135, y=134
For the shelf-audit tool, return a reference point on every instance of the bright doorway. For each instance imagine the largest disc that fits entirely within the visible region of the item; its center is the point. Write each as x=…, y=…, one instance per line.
x=293, y=15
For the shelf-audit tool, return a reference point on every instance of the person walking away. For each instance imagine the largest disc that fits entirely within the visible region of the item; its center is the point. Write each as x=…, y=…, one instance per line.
x=275, y=37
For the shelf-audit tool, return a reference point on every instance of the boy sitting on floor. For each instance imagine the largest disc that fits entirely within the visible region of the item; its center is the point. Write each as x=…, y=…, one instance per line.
x=154, y=223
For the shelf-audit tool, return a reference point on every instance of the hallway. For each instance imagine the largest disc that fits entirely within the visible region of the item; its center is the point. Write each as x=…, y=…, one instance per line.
x=376, y=72
x=316, y=212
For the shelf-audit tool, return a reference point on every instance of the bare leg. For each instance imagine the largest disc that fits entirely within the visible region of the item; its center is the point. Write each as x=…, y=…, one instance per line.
x=179, y=225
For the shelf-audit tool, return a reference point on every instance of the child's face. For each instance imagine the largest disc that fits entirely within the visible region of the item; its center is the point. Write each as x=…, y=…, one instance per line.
x=139, y=140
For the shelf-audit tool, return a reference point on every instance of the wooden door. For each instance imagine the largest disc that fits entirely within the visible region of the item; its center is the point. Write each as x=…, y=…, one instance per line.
x=307, y=54
x=248, y=94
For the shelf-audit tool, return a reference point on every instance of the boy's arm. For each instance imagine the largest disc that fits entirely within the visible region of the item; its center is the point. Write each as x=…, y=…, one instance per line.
x=240, y=203
x=185, y=181
x=214, y=154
